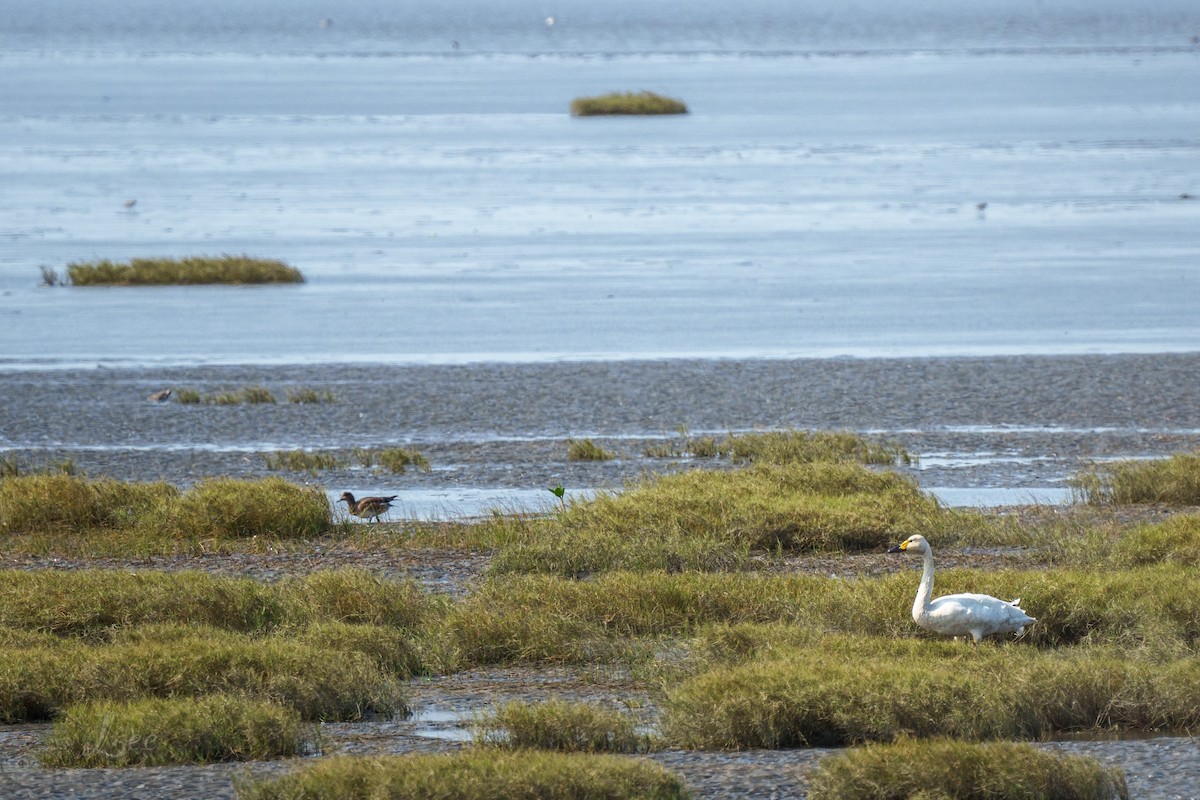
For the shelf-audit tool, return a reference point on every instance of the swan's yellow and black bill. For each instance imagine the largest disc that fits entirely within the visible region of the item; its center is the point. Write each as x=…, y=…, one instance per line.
x=899, y=548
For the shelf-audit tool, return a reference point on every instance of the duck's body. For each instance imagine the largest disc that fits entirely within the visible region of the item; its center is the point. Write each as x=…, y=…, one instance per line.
x=967, y=614
x=371, y=508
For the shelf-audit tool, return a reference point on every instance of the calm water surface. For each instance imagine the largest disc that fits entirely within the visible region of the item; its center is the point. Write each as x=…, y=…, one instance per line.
x=821, y=198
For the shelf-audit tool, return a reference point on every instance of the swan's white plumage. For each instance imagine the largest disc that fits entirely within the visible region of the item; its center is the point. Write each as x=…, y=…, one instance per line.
x=974, y=615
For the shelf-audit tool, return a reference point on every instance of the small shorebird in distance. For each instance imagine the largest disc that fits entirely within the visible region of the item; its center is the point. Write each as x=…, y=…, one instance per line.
x=370, y=508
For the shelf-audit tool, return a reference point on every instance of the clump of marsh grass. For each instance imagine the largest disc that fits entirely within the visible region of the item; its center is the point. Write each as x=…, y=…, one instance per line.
x=155, y=732
x=189, y=397
x=301, y=461
x=1174, y=480
x=257, y=395
x=318, y=682
x=230, y=508
x=361, y=597
x=806, y=447
x=626, y=103
x=70, y=503
x=559, y=725
x=485, y=774
x=392, y=459
x=841, y=690
x=955, y=770
x=587, y=450
x=309, y=396
x=227, y=269
x=720, y=515
x=1175, y=540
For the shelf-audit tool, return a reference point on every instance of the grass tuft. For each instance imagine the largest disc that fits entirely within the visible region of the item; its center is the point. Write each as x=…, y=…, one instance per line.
x=587, y=450
x=392, y=459
x=1174, y=480
x=473, y=775
x=558, y=725
x=625, y=103
x=309, y=396
x=301, y=461
x=30, y=503
x=155, y=732
x=228, y=269
x=229, y=508
x=962, y=771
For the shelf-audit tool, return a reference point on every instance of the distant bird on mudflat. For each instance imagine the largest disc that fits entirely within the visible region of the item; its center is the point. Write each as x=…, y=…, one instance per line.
x=159, y=397
x=371, y=508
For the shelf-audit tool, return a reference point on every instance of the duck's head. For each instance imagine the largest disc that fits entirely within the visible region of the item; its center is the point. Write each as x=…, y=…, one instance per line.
x=915, y=542
x=349, y=498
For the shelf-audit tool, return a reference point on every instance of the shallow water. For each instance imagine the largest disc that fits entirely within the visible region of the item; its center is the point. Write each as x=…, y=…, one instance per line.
x=820, y=199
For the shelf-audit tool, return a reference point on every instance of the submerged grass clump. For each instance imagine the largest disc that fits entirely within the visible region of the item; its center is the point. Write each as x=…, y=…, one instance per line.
x=587, y=450
x=156, y=732
x=310, y=396
x=229, y=269
x=392, y=459
x=1174, y=480
x=301, y=461
x=634, y=103
x=485, y=774
x=558, y=725
x=953, y=770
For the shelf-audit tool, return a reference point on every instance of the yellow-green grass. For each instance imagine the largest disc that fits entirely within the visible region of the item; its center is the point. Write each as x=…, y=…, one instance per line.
x=840, y=690
x=1174, y=480
x=626, y=103
x=320, y=683
x=155, y=732
x=715, y=517
x=485, y=774
x=953, y=770
x=229, y=269
x=550, y=619
x=91, y=604
x=230, y=508
x=302, y=461
x=392, y=459
x=806, y=447
x=214, y=508
x=559, y=725
x=189, y=397
x=72, y=503
x=587, y=450
x=309, y=396
x=11, y=467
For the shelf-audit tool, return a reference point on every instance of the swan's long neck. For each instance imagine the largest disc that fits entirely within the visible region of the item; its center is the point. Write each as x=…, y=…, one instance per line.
x=925, y=590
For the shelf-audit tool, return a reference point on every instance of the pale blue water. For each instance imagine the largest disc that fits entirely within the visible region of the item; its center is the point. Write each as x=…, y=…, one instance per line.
x=820, y=198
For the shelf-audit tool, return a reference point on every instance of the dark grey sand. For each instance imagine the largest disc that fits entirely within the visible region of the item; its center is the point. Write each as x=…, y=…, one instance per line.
x=998, y=422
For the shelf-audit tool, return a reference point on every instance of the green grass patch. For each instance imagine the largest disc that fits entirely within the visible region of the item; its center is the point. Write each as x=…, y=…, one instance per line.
x=310, y=396
x=1175, y=540
x=189, y=397
x=587, y=450
x=229, y=508
x=807, y=447
x=626, y=103
x=486, y=774
x=950, y=770
x=157, y=732
x=711, y=519
x=46, y=502
x=559, y=725
x=392, y=459
x=316, y=681
x=228, y=269
x=302, y=461
x=841, y=690
x=1174, y=480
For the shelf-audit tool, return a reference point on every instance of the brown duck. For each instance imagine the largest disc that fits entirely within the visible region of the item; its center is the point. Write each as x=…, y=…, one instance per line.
x=371, y=508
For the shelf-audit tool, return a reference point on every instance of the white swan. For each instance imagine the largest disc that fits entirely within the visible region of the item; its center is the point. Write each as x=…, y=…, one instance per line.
x=957, y=615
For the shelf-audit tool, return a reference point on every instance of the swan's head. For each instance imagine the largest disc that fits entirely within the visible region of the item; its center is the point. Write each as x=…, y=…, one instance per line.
x=915, y=542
